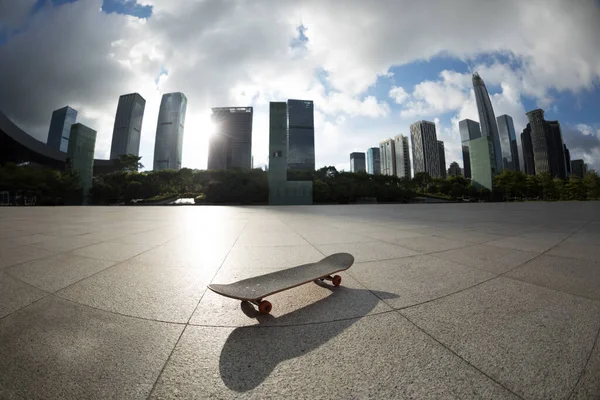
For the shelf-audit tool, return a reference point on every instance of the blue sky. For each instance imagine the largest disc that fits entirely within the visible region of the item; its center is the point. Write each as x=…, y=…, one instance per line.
x=371, y=69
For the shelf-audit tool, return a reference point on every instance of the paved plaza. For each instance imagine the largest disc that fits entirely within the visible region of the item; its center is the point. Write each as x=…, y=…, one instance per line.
x=445, y=301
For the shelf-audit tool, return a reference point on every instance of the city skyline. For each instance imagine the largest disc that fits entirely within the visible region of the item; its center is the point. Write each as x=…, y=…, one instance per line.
x=354, y=107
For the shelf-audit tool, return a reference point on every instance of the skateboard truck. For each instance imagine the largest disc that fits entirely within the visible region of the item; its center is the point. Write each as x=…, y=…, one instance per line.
x=336, y=280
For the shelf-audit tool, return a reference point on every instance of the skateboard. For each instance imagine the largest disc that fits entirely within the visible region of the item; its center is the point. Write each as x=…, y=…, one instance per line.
x=255, y=289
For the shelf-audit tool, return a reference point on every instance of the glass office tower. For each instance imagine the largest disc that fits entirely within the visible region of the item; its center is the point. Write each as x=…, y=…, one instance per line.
x=80, y=155
x=168, y=145
x=128, y=126
x=231, y=144
x=508, y=143
x=301, y=135
x=60, y=128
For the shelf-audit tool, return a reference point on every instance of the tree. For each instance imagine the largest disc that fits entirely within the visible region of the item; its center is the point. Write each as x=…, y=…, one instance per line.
x=591, y=182
x=130, y=162
x=422, y=180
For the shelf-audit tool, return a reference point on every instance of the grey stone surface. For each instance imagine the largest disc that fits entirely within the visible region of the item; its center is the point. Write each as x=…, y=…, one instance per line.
x=15, y=294
x=489, y=258
x=416, y=279
x=565, y=274
x=56, y=272
x=381, y=356
x=148, y=291
x=369, y=251
x=533, y=340
x=56, y=349
x=127, y=281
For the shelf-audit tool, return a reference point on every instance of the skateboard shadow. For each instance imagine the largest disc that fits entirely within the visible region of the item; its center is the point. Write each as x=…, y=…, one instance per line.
x=250, y=354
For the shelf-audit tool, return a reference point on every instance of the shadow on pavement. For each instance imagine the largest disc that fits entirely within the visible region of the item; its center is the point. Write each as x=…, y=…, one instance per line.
x=251, y=353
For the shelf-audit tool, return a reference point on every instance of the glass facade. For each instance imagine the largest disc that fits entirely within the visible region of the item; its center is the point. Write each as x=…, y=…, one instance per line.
x=231, y=145
x=469, y=130
x=128, y=126
x=426, y=156
x=80, y=155
x=539, y=141
x=387, y=152
x=168, y=145
x=402, y=156
x=60, y=128
x=556, y=150
x=301, y=135
x=578, y=168
x=373, y=161
x=487, y=118
x=442, y=157
x=528, y=161
x=508, y=143
x=483, y=166
x=357, y=162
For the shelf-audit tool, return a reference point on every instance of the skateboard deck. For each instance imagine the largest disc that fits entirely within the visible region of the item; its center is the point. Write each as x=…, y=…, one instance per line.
x=256, y=288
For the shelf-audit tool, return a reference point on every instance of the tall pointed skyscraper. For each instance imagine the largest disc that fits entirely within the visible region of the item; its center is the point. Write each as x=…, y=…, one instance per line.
x=128, y=126
x=487, y=119
x=168, y=145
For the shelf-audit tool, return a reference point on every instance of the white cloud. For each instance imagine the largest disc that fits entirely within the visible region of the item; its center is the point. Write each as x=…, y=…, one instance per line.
x=398, y=94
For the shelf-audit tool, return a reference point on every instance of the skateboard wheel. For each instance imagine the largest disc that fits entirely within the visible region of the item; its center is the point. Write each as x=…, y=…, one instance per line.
x=264, y=307
x=337, y=280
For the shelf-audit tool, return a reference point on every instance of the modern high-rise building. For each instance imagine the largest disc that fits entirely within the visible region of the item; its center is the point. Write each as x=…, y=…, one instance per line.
x=508, y=143
x=469, y=130
x=578, y=168
x=568, y=160
x=357, y=162
x=402, y=156
x=442, y=157
x=80, y=155
x=373, y=161
x=231, y=144
x=487, y=118
x=556, y=150
x=60, y=128
x=539, y=141
x=426, y=155
x=168, y=146
x=282, y=192
x=527, y=146
x=387, y=152
x=454, y=169
x=301, y=135
x=483, y=166
x=128, y=126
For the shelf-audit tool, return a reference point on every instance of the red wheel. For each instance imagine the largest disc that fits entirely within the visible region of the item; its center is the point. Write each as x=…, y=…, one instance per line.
x=264, y=307
x=337, y=280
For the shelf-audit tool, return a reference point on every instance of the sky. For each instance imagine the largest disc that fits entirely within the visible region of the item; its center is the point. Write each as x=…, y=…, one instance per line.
x=372, y=68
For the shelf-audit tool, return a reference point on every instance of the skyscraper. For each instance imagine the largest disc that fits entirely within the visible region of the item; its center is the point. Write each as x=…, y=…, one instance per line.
x=578, y=168
x=442, y=157
x=487, y=118
x=402, y=156
x=508, y=143
x=357, y=162
x=301, y=135
x=387, y=152
x=426, y=156
x=556, y=150
x=539, y=141
x=231, y=144
x=280, y=190
x=80, y=155
x=469, y=130
x=373, y=161
x=60, y=128
x=128, y=126
x=454, y=169
x=568, y=160
x=527, y=146
x=483, y=166
x=168, y=145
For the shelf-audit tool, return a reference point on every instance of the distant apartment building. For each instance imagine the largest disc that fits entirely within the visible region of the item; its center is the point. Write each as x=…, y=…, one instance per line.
x=127, y=130
x=358, y=162
x=80, y=155
x=483, y=165
x=387, y=151
x=402, y=156
x=426, y=156
x=60, y=128
x=231, y=144
x=469, y=130
x=168, y=145
x=373, y=161
x=442, y=157
x=454, y=169
x=508, y=143
x=578, y=168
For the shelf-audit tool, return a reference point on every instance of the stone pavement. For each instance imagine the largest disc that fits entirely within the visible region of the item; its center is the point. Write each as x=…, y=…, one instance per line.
x=481, y=301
